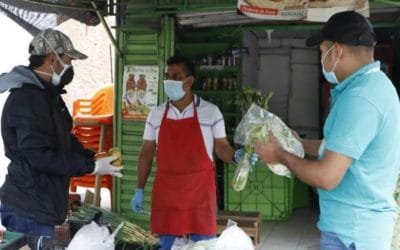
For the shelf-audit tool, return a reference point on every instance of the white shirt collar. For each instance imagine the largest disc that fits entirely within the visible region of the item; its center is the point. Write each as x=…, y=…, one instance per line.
x=187, y=108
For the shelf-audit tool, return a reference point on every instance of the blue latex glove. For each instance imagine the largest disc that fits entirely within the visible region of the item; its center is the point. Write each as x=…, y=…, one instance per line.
x=137, y=201
x=239, y=153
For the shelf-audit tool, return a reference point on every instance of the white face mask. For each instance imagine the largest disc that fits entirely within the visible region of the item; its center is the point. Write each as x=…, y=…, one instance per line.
x=330, y=76
x=174, y=89
x=56, y=78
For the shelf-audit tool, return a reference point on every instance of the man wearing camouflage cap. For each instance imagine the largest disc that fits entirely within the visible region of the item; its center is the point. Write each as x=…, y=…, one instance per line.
x=36, y=130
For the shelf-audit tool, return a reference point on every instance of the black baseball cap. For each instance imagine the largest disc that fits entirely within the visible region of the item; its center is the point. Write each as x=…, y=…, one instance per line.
x=348, y=27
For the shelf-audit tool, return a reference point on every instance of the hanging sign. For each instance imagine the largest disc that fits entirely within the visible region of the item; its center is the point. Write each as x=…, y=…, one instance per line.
x=139, y=93
x=322, y=10
x=274, y=9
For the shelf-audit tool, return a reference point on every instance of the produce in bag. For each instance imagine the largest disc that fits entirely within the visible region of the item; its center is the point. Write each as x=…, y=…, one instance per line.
x=242, y=170
x=129, y=233
x=184, y=244
x=233, y=238
x=254, y=127
x=93, y=237
x=245, y=99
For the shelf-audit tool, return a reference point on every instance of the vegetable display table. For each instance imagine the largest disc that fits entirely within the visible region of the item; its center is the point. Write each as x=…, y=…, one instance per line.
x=13, y=240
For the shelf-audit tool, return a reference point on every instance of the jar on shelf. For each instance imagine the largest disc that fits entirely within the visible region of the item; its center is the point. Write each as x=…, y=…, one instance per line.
x=203, y=60
x=215, y=83
x=223, y=60
x=231, y=83
x=209, y=83
x=203, y=83
x=219, y=60
x=209, y=60
x=225, y=83
x=230, y=60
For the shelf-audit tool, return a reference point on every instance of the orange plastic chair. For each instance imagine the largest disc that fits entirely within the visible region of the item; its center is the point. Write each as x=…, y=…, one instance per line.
x=93, y=120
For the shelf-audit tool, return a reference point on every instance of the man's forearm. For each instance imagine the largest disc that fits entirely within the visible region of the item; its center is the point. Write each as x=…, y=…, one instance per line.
x=307, y=171
x=225, y=153
x=145, y=162
x=144, y=169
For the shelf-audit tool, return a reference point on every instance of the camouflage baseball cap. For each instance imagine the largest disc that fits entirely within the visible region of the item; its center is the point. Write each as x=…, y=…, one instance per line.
x=59, y=42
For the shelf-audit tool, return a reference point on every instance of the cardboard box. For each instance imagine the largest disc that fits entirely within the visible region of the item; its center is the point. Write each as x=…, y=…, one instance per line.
x=250, y=222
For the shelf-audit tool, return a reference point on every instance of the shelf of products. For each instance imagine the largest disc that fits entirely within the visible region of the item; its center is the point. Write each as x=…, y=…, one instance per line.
x=217, y=71
x=218, y=79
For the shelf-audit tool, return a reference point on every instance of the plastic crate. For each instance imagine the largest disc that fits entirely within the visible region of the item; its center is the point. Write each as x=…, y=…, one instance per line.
x=270, y=194
x=301, y=194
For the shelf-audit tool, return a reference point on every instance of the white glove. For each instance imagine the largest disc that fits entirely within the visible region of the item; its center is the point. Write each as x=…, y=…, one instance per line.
x=104, y=167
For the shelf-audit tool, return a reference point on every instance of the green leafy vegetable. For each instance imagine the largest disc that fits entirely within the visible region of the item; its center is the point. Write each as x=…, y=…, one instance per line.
x=129, y=233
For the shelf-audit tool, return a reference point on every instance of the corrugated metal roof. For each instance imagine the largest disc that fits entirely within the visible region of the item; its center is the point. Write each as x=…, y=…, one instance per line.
x=36, y=15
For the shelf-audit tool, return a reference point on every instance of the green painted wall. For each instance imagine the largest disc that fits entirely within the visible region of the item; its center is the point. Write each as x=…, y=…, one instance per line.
x=143, y=40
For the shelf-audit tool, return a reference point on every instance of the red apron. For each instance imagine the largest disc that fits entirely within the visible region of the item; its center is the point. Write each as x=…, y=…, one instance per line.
x=184, y=195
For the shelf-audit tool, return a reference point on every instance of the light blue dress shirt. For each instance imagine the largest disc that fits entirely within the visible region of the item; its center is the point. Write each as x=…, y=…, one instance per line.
x=363, y=124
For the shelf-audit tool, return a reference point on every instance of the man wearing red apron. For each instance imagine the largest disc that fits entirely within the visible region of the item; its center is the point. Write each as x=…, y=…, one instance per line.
x=183, y=134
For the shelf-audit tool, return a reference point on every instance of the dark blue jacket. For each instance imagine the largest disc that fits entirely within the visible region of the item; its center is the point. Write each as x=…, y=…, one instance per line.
x=36, y=130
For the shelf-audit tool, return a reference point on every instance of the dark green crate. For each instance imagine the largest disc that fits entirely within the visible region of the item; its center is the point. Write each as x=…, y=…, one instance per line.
x=265, y=192
x=301, y=194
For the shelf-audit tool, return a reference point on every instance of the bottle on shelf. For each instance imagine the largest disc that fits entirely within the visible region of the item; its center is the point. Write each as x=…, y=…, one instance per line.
x=209, y=60
x=225, y=83
x=215, y=83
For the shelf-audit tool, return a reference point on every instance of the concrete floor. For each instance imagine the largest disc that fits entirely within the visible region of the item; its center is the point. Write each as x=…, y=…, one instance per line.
x=299, y=232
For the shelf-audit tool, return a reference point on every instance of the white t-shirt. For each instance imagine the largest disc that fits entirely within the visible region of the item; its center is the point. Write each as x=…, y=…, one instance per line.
x=212, y=123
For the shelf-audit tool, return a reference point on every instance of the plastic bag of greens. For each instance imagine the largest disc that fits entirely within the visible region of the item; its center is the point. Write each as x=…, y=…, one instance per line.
x=183, y=244
x=232, y=238
x=254, y=127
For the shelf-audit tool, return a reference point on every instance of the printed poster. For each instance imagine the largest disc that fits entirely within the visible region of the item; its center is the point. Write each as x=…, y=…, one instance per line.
x=140, y=91
x=274, y=9
x=321, y=10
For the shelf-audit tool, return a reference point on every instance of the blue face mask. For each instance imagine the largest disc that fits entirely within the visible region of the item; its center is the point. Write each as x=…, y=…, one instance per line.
x=330, y=76
x=174, y=89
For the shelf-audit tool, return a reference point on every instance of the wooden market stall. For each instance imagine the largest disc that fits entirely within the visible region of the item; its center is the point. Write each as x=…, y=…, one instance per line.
x=231, y=51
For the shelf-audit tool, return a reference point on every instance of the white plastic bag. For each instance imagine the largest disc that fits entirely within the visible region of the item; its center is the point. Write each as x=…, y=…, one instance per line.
x=182, y=244
x=254, y=127
x=93, y=237
x=233, y=238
